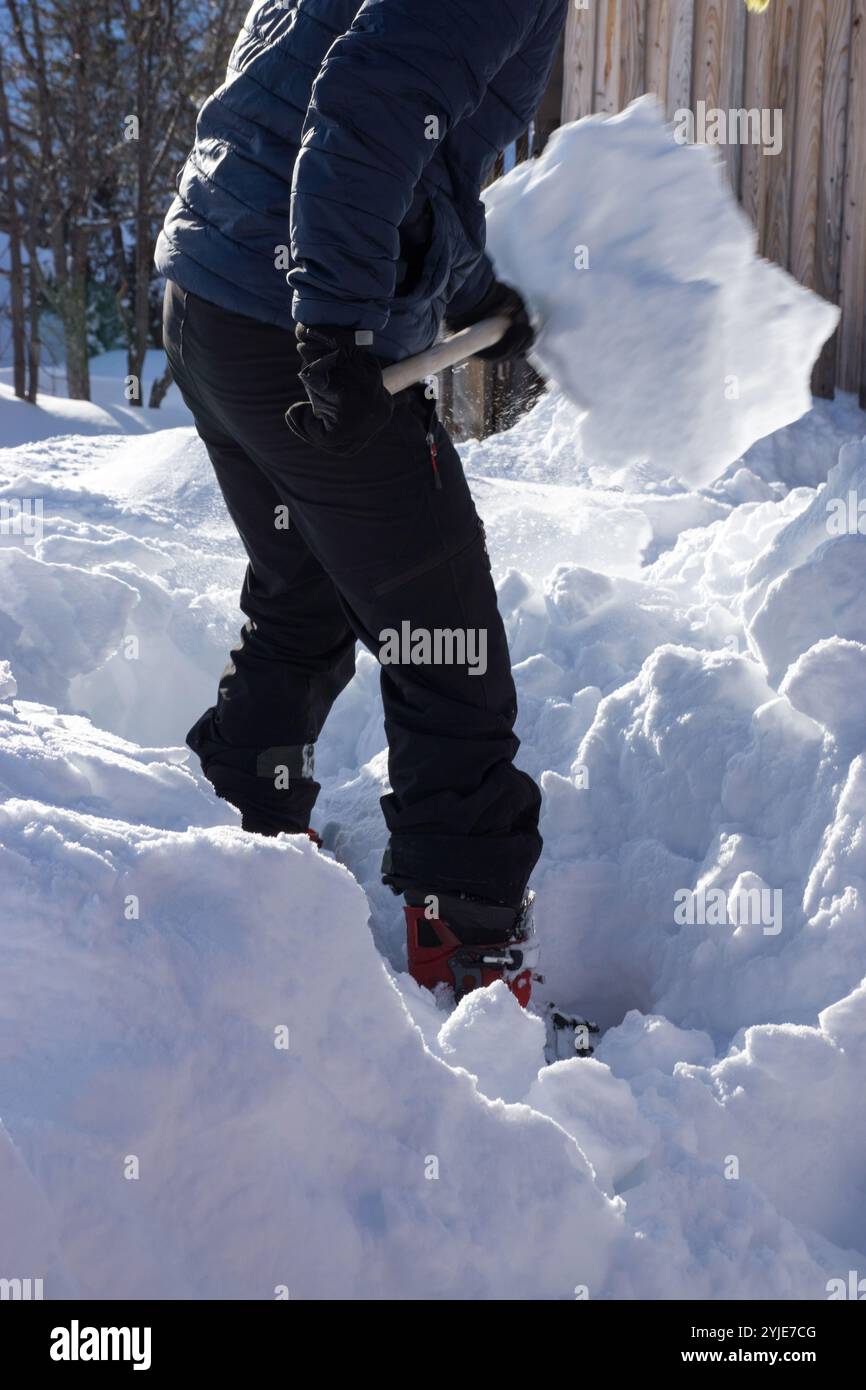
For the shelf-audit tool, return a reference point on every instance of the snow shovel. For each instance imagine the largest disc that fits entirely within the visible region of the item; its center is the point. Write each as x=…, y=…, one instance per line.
x=448, y=353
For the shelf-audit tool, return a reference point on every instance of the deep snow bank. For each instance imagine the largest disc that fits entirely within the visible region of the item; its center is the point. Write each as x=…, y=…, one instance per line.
x=212, y=1088
x=124, y=600
x=163, y=1135
x=658, y=318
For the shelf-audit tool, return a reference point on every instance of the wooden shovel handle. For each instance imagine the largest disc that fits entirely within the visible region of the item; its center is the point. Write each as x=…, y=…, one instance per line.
x=446, y=354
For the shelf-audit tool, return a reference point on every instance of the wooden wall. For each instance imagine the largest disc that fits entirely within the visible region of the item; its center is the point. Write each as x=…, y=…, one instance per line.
x=808, y=203
x=805, y=57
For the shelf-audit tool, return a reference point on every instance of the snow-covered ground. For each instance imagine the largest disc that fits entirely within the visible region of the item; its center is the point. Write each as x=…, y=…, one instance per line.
x=109, y=410
x=215, y=1079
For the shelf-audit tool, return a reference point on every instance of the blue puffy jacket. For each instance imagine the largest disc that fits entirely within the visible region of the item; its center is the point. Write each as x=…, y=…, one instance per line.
x=348, y=146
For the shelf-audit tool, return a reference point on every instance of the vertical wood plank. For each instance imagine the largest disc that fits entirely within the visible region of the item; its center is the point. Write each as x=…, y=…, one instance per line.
x=719, y=68
x=515, y=389
x=632, y=50
x=579, y=61
x=834, y=139
x=549, y=113
x=658, y=31
x=608, y=56
x=853, y=261
x=783, y=97
x=472, y=382
x=664, y=30
x=707, y=61
x=754, y=169
x=732, y=77
x=445, y=401
x=472, y=385
x=679, y=79
x=811, y=54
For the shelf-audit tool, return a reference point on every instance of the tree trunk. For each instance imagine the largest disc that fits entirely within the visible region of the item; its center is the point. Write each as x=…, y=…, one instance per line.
x=34, y=346
x=34, y=293
x=141, y=305
x=150, y=31
x=80, y=35
x=75, y=342
x=71, y=306
x=160, y=389
x=16, y=264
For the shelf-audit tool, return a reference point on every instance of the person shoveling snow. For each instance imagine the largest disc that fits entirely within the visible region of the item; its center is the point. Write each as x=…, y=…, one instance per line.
x=345, y=154
x=369, y=131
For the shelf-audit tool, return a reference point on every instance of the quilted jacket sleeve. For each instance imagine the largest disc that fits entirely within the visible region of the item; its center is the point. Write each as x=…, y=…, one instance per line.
x=389, y=90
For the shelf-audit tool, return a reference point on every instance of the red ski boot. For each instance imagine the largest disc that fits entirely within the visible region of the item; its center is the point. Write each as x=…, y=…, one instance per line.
x=468, y=944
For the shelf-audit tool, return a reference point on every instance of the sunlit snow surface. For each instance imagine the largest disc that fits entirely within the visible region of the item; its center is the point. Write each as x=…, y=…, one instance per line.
x=696, y=658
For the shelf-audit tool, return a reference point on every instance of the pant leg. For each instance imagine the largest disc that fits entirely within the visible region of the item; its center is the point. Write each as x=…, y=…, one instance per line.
x=296, y=651
x=461, y=816
x=402, y=544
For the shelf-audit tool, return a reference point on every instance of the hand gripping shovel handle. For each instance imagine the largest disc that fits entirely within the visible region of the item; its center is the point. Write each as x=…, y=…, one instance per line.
x=446, y=354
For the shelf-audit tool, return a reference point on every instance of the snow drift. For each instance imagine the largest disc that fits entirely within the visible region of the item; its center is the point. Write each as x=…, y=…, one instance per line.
x=679, y=345
x=218, y=1094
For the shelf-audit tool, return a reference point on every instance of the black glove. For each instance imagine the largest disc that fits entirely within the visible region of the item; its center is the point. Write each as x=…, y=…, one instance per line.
x=347, y=402
x=500, y=299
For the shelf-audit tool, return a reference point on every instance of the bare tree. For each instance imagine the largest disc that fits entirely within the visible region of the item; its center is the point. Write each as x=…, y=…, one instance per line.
x=61, y=96
x=97, y=113
x=156, y=103
x=12, y=227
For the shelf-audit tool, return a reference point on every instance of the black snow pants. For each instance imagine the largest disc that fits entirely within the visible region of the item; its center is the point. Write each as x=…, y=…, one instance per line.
x=353, y=549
